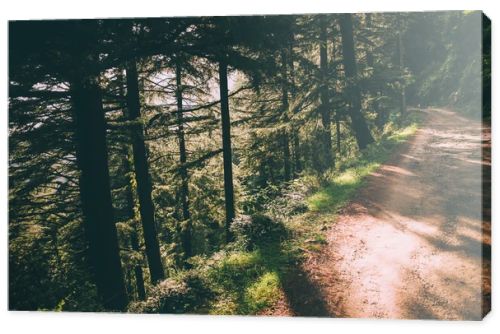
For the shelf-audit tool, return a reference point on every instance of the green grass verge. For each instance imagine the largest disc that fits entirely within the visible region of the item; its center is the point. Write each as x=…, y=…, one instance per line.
x=343, y=184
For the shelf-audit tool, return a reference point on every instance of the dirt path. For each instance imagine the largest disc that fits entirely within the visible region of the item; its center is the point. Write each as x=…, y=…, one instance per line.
x=411, y=244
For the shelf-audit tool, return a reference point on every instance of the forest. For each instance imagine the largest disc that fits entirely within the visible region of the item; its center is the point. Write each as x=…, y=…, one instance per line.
x=190, y=164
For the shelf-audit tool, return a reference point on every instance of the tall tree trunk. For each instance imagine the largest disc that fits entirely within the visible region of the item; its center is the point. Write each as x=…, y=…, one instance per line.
x=402, y=93
x=95, y=193
x=186, y=215
x=134, y=234
x=127, y=162
x=285, y=106
x=358, y=122
x=226, y=149
x=297, y=166
x=337, y=112
x=296, y=151
x=144, y=187
x=325, y=95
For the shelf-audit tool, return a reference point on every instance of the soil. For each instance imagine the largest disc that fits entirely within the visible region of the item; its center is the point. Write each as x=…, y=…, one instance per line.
x=415, y=241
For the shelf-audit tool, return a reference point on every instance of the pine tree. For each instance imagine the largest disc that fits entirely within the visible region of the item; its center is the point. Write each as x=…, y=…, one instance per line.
x=141, y=168
x=358, y=123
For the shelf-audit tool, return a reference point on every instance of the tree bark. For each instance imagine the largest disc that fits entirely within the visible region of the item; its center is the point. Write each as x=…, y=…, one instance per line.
x=127, y=157
x=226, y=149
x=358, y=122
x=297, y=166
x=325, y=95
x=144, y=187
x=95, y=193
x=134, y=238
x=337, y=112
x=186, y=215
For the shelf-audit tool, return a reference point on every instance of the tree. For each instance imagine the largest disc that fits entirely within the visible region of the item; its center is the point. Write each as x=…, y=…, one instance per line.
x=58, y=64
x=126, y=157
x=400, y=53
x=231, y=38
x=358, y=123
x=186, y=215
x=297, y=167
x=285, y=106
x=325, y=105
x=95, y=192
x=142, y=177
x=226, y=147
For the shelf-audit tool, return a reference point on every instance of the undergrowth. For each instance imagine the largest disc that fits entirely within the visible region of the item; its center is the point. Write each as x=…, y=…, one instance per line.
x=247, y=276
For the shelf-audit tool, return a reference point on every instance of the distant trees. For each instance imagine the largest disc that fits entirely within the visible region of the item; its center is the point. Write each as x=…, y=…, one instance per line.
x=135, y=143
x=436, y=46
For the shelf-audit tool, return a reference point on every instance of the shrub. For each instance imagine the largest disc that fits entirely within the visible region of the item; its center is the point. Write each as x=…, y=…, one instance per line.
x=287, y=205
x=254, y=230
x=182, y=294
x=292, y=199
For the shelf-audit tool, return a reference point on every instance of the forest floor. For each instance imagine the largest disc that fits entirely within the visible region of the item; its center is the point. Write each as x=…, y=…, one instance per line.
x=411, y=242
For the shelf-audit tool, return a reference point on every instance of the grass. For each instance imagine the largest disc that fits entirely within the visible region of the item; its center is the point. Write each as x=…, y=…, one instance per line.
x=263, y=292
x=248, y=282
x=341, y=187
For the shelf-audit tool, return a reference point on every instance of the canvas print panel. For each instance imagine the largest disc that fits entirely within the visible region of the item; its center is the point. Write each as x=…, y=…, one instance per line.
x=327, y=165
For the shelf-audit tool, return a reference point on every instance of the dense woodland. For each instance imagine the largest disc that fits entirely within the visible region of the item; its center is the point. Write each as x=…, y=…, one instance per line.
x=152, y=159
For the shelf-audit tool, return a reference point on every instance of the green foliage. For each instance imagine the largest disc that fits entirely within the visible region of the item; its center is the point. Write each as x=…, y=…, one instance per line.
x=229, y=282
x=184, y=293
x=232, y=281
x=255, y=230
x=248, y=282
